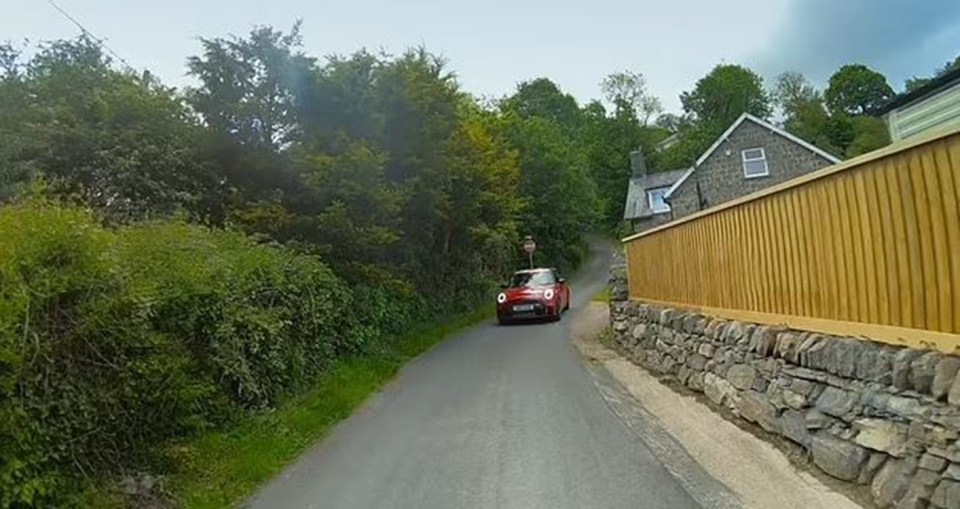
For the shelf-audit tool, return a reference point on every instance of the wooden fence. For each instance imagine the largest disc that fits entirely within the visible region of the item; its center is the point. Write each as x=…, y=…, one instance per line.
x=869, y=247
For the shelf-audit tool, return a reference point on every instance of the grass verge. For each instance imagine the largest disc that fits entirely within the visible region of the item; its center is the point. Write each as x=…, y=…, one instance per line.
x=222, y=468
x=603, y=296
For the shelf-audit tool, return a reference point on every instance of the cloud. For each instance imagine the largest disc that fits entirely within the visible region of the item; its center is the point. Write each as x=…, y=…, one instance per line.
x=900, y=38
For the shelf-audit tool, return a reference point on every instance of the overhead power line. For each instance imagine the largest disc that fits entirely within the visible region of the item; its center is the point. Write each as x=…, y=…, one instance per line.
x=90, y=34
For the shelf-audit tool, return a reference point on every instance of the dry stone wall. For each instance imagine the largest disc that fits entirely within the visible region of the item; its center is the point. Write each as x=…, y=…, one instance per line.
x=867, y=413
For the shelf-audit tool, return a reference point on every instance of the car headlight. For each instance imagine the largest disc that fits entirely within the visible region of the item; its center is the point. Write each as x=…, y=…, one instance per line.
x=548, y=294
x=501, y=298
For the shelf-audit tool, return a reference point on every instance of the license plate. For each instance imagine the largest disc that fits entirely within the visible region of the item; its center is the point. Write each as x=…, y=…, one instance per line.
x=523, y=307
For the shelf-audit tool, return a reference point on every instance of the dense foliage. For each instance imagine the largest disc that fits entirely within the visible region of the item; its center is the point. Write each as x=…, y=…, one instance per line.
x=171, y=259
x=115, y=340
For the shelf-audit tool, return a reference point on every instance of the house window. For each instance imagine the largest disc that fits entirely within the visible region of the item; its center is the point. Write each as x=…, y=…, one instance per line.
x=657, y=204
x=755, y=163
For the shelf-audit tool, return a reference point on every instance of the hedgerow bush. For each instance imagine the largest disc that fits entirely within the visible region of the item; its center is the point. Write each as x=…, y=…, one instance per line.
x=114, y=341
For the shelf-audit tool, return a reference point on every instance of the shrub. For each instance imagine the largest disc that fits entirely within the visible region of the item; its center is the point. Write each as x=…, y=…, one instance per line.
x=115, y=341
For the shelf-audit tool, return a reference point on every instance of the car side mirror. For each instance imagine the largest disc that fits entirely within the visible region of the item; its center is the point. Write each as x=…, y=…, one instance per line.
x=504, y=286
x=562, y=280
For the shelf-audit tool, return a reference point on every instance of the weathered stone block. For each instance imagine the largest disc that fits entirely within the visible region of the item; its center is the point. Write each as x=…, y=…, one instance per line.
x=794, y=400
x=944, y=375
x=870, y=469
x=787, y=344
x=953, y=395
x=683, y=374
x=763, y=340
x=891, y=483
x=837, y=457
x=845, y=354
x=836, y=402
x=813, y=357
x=732, y=332
x=717, y=389
x=948, y=419
x=805, y=374
x=794, y=426
x=910, y=408
x=768, y=366
x=901, y=367
x=696, y=382
x=666, y=316
x=755, y=407
x=922, y=371
x=700, y=326
x=803, y=350
x=881, y=435
x=669, y=365
x=801, y=386
x=640, y=331
x=816, y=419
x=918, y=495
x=953, y=472
x=741, y=376
x=620, y=326
x=946, y=495
x=696, y=362
x=706, y=350
x=932, y=463
x=874, y=363
x=760, y=384
x=716, y=329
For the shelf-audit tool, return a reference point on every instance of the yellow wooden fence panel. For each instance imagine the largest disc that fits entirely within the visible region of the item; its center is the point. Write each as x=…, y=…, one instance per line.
x=869, y=247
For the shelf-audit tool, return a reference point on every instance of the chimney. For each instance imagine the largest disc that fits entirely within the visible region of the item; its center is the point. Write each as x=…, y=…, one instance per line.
x=638, y=165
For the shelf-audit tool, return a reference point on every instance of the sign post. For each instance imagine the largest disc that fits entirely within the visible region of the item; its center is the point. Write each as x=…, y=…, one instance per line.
x=529, y=246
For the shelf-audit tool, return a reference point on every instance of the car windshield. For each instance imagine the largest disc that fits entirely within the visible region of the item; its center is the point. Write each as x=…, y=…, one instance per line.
x=532, y=279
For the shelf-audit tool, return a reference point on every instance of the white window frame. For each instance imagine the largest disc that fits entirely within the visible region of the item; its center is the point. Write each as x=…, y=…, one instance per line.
x=745, y=160
x=650, y=201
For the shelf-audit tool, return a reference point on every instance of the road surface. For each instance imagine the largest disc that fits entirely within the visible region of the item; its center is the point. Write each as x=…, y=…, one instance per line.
x=496, y=417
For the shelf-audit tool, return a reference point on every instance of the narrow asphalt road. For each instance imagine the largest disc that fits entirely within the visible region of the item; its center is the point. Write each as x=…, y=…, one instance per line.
x=496, y=417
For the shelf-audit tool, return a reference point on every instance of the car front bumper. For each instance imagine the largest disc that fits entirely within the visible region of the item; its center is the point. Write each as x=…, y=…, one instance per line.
x=527, y=310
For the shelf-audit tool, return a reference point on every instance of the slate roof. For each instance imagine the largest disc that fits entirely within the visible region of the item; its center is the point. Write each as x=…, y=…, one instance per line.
x=638, y=206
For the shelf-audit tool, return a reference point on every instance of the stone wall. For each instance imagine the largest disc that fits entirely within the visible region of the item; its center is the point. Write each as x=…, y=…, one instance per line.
x=867, y=413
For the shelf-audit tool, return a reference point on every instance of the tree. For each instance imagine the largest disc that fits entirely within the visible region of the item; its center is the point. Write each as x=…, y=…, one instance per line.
x=792, y=90
x=803, y=109
x=914, y=83
x=121, y=143
x=724, y=94
x=857, y=90
x=607, y=142
x=629, y=89
x=869, y=134
x=561, y=199
x=543, y=98
x=249, y=85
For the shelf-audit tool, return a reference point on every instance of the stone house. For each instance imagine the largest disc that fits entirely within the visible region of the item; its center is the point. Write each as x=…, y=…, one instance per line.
x=645, y=207
x=750, y=156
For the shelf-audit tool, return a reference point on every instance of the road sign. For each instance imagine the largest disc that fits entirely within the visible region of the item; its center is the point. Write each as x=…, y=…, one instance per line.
x=529, y=245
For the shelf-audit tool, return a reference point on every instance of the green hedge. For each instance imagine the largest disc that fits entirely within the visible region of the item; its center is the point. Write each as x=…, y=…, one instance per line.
x=115, y=341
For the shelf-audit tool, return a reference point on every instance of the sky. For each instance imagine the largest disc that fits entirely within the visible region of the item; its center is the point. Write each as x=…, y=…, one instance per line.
x=494, y=44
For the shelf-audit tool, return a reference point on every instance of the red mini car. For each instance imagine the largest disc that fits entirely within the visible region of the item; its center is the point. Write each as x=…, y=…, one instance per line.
x=532, y=294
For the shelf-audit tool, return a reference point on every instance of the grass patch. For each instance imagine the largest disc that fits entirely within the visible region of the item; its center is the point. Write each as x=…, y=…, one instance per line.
x=603, y=296
x=222, y=468
x=606, y=338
